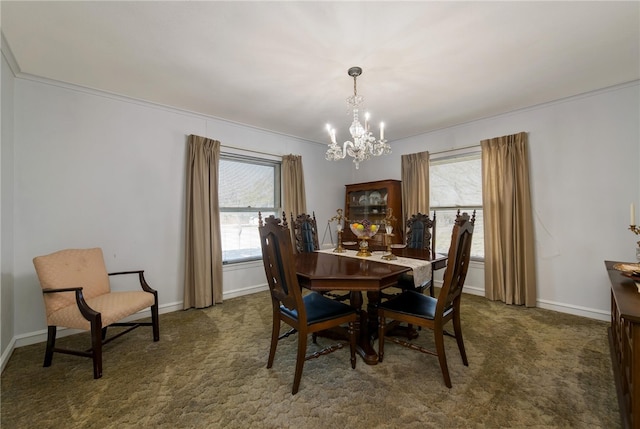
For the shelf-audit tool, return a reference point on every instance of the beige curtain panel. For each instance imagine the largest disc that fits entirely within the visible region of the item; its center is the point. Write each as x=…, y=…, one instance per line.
x=509, y=266
x=295, y=200
x=203, y=247
x=415, y=185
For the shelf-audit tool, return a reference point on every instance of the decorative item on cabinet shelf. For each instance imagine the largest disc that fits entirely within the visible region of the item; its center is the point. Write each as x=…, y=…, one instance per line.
x=375, y=198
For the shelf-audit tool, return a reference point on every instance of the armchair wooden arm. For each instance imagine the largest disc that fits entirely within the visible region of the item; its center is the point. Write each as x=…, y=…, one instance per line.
x=87, y=312
x=143, y=282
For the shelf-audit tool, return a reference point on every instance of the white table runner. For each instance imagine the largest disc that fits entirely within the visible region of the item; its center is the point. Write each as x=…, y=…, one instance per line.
x=421, y=268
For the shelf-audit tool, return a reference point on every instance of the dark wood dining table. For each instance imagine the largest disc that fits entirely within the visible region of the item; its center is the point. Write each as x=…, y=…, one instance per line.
x=323, y=272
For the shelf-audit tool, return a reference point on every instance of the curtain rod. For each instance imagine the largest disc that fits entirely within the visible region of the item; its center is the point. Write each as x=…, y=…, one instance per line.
x=454, y=150
x=250, y=150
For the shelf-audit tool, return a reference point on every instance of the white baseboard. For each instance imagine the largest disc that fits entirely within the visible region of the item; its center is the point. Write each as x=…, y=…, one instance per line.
x=245, y=291
x=4, y=358
x=590, y=313
x=473, y=290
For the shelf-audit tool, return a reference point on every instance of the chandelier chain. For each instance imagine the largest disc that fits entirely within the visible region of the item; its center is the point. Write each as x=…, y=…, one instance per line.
x=355, y=90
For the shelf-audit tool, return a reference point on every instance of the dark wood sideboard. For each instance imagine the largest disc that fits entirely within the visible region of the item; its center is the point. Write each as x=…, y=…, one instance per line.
x=624, y=340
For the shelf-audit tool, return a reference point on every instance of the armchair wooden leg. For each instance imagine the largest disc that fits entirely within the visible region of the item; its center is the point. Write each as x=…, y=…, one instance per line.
x=155, y=321
x=51, y=344
x=96, y=346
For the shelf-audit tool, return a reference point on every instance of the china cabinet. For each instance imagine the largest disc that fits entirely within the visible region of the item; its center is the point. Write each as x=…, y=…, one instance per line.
x=372, y=201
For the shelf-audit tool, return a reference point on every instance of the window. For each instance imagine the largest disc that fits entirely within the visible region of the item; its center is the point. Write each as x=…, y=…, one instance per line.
x=246, y=186
x=456, y=183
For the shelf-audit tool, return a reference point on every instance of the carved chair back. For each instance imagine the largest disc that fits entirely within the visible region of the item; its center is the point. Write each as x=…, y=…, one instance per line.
x=305, y=230
x=458, y=262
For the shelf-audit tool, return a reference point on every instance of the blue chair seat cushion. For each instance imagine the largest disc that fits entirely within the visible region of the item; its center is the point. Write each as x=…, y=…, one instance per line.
x=413, y=303
x=320, y=308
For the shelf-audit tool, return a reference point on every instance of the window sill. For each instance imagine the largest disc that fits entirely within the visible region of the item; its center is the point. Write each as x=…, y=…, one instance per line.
x=241, y=265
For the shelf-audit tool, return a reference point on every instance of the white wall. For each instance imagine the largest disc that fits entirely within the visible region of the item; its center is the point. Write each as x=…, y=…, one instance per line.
x=98, y=170
x=6, y=213
x=584, y=155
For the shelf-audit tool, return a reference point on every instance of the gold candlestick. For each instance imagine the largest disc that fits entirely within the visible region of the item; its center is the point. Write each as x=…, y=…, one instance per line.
x=636, y=230
x=339, y=248
x=388, y=226
x=389, y=256
x=338, y=218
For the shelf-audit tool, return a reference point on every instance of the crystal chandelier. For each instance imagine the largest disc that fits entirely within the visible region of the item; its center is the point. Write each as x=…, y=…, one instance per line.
x=364, y=144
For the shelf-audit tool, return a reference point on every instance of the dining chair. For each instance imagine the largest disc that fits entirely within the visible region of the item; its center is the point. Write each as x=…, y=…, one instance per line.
x=420, y=234
x=305, y=232
x=77, y=295
x=433, y=313
x=306, y=314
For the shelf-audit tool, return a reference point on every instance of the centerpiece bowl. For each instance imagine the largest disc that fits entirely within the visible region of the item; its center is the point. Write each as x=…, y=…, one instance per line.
x=363, y=230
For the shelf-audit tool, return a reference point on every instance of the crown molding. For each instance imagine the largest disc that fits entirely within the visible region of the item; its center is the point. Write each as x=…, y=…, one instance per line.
x=8, y=55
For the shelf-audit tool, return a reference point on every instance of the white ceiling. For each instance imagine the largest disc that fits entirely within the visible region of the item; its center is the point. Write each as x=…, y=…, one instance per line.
x=282, y=66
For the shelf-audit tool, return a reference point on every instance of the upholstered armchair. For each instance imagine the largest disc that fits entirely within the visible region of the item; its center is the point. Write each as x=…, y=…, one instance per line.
x=77, y=294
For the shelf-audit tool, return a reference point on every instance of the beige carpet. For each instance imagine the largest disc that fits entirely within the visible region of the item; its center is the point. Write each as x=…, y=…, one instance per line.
x=528, y=368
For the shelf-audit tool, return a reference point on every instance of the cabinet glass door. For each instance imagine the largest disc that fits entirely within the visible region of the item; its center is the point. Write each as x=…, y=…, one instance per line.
x=370, y=204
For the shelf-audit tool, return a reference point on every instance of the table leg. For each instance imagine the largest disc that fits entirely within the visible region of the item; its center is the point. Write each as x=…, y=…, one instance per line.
x=364, y=347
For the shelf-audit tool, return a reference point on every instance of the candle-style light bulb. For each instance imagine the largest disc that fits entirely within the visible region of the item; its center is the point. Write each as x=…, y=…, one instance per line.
x=381, y=130
x=332, y=133
x=366, y=121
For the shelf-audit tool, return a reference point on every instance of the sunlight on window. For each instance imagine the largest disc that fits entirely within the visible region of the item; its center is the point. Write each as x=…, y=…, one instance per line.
x=246, y=186
x=456, y=183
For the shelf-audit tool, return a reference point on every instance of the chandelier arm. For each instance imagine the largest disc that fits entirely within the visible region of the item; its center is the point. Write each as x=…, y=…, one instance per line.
x=347, y=148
